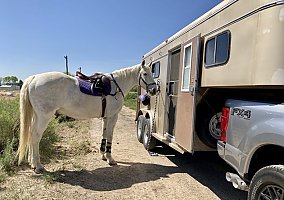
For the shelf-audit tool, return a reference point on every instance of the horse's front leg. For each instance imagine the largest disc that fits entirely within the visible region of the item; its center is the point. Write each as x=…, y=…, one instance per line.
x=108, y=127
x=104, y=139
x=103, y=149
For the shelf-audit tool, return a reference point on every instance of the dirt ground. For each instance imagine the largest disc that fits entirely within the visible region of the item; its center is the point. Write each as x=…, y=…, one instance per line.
x=79, y=173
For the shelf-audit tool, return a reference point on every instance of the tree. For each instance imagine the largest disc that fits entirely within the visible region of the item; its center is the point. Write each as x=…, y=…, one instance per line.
x=10, y=80
x=6, y=79
x=14, y=79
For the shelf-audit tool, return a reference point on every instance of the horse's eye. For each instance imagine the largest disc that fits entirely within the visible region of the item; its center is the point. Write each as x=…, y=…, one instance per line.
x=145, y=74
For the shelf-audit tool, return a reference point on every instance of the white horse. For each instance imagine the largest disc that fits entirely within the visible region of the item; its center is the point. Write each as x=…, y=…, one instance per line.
x=44, y=94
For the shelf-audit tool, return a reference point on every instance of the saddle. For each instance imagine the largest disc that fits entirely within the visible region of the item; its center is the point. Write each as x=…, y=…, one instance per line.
x=98, y=84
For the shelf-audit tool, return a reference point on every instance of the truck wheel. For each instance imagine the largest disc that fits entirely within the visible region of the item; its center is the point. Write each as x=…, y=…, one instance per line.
x=149, y=142
x=140, y=128
x=208, y=128
x=267, y=183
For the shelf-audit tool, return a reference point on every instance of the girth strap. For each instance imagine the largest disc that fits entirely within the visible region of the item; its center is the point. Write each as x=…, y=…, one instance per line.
x=103, y=106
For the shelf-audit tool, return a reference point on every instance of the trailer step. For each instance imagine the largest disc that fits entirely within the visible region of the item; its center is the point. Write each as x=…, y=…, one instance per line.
x=172, y=144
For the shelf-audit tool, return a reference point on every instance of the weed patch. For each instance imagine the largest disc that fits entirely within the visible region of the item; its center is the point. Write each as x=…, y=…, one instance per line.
x=9, y=136
x=130, y=99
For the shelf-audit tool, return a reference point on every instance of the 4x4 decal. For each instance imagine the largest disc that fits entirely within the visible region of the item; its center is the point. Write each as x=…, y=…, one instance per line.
x=242, y=113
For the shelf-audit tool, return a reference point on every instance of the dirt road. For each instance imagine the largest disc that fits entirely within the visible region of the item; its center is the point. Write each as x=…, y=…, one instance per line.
x=138, y=175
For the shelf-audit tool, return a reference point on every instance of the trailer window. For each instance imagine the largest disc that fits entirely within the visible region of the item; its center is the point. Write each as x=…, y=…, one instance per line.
x=217, y=49
x=156, y=70
x=186, y=67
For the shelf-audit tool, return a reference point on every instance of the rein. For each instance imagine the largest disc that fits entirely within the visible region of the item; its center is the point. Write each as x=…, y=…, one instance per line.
x=140, y=78
x=119, y=89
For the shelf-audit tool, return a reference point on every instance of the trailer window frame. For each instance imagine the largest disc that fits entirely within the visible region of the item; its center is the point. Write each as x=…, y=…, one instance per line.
x=156, y=68
x=216, y=50
x=185, y=87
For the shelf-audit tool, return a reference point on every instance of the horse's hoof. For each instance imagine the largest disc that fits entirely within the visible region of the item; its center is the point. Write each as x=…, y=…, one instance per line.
x=112, y=162
x=39, y=170
x=103, y=157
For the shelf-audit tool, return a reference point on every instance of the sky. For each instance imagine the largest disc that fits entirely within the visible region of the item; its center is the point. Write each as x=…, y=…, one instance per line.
x=96, y=35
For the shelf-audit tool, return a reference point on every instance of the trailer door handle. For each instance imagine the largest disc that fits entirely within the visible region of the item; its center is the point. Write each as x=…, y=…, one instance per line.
x=171, y=85
x=191, y=89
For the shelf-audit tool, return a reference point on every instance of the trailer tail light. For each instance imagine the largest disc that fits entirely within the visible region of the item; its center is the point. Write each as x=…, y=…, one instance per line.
x=224, y=123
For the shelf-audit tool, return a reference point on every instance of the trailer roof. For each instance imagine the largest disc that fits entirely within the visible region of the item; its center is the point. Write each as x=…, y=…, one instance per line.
x=218, y=8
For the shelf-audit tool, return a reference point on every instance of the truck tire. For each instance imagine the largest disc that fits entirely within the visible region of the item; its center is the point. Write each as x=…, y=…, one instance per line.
x=208, y=128
x=267, y=183
x=149, y=142
x=140, y=128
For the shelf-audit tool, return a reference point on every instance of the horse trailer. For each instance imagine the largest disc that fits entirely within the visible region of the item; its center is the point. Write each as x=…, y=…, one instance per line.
x=234, y=51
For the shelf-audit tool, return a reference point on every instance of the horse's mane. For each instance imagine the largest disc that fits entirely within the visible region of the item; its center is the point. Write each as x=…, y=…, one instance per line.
x=124, y=72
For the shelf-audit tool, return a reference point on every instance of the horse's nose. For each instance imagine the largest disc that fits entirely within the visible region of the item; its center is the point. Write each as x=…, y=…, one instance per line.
x=153, y=90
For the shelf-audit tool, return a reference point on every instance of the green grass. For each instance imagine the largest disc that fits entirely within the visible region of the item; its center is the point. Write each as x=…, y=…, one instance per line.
x=130, y=99
x=9, y=136
x=7, y=158
x=9, y=121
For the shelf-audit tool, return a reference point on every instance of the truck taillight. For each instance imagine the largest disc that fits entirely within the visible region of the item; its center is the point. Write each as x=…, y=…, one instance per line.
x=224, y=123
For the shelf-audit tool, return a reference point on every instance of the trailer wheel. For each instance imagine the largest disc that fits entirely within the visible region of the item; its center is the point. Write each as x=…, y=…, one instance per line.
x=149, y=142
x=215, y=126
x=267, y=183
x=140, y=128
x=208, y=128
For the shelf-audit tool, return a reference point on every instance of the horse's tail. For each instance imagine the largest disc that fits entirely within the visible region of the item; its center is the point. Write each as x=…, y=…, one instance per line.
x=26, y=115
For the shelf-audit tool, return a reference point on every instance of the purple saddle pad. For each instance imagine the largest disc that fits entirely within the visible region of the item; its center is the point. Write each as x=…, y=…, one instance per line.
x=89, y=88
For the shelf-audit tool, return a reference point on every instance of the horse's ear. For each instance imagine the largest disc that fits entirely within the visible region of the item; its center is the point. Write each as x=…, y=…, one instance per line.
x=143, y=63
x=150, y=64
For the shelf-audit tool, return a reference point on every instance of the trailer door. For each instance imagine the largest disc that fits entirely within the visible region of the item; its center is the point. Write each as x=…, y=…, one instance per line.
x=186, y=95
x=172, y=92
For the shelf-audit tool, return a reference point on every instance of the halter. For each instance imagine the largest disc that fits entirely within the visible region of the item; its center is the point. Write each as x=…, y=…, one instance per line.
x=147, y=85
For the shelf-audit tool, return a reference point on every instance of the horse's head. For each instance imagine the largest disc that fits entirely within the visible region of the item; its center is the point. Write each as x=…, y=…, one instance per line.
x=146, y=80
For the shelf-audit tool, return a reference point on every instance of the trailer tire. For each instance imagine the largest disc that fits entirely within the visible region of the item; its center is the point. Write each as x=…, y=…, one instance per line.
x=149, y=141
x=269, y=182
x=208, y=126
x=140, y=128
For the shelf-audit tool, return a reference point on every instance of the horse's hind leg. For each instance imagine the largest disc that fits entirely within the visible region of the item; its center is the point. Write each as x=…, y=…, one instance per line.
x=108, y=127
x=39, y=126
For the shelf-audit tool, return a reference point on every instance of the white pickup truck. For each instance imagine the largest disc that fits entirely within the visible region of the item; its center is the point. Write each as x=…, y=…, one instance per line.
x=252, y=142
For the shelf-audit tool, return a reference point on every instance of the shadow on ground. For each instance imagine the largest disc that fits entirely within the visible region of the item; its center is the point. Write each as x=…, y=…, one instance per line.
x=124, y=175
x=206, y=167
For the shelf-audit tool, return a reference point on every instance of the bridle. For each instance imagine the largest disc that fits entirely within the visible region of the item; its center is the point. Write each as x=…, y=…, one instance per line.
x=147, y=84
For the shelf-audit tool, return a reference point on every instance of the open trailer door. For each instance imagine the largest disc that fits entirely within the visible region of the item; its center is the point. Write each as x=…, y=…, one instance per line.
x=186, y=93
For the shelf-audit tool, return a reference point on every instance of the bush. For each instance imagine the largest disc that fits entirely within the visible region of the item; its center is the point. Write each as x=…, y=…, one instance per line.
x=9, y=135
x=9, y=121
x=131, y=100
x=134, y=89
x=7, y=157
